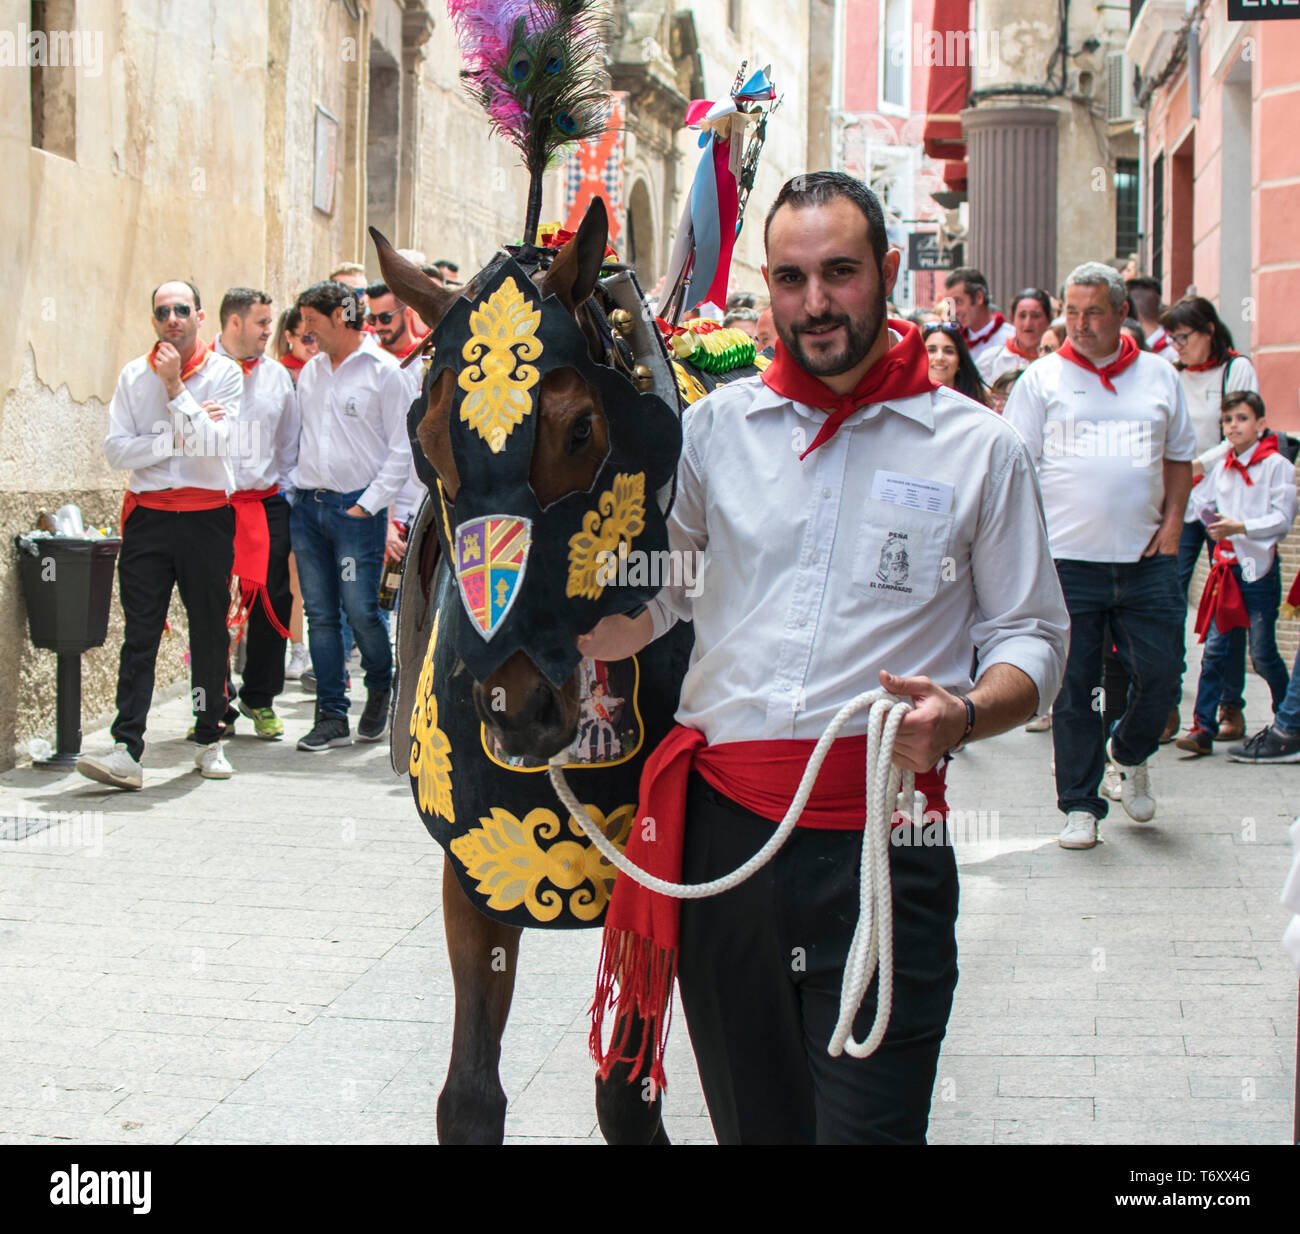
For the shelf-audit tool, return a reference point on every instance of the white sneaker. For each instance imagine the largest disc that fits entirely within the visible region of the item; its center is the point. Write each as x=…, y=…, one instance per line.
x=1135, y=791
x=298, y=661
x=1039, y=724
x=1111, y=784
x=1080, y=830
x=212, y=762
x=118, y=769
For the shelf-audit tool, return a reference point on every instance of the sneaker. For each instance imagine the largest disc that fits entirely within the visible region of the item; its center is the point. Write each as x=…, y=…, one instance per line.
x=373, y=725
x=1232, y=724
x=266, y=724
x=1080, y=830
x=1111, y=784
x=329, y=731
x=298, y=661
x=1197, y=741
x=1266, y=746
x=1135, y=789
x=118, y=769
x=1172, y=726
x=1039, y=724
x=212, y=762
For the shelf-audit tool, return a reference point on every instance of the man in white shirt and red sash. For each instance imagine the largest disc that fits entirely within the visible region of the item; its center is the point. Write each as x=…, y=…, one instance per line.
x=984, y=330
x=268, y=439
x=170, y=422
x=353, y=459
x=861, y=527
x=1107, y=426
x=1031, y=314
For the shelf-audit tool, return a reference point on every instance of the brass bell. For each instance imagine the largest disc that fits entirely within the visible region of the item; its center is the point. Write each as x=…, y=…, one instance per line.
x=621, y=320
x=643, y=378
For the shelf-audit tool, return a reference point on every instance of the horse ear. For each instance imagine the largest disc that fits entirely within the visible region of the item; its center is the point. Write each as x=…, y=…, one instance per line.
x=411, y=285
x=573, y=274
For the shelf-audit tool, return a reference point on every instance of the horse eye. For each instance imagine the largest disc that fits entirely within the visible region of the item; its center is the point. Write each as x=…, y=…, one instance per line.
x=579, y=434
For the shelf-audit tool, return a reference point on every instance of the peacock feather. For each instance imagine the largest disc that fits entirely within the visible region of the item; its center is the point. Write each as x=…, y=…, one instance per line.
x=538, y=68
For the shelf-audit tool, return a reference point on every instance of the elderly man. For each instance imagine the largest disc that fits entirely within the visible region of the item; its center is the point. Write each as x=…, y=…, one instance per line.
x=896, y=525
x=1107, y=426
x=169, y=423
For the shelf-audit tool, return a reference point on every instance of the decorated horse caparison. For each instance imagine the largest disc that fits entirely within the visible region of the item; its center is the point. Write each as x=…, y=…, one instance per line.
x=547, y=432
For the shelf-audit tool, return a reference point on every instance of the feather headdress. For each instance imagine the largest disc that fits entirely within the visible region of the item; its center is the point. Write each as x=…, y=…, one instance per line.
x=537, y=67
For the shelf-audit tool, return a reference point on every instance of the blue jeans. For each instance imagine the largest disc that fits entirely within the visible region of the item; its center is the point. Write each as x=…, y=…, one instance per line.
x=1224, y=648
x=1146, y=611
x=339, y=561
x=1189, y=552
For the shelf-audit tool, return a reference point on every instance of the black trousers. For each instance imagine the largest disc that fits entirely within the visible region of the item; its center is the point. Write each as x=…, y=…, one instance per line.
x=760, y=968
x=264, y=654
x=193, y=549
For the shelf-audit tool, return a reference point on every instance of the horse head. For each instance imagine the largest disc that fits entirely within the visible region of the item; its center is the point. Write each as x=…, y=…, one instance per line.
x=545, y=465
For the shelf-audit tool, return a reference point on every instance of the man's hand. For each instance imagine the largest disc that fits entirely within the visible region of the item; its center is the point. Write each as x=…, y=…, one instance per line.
x=1164, y=541
x=616, y=637
x=395, y=544
x=167, y=364
x=214, y=409
x=934, y=725
x=1223, y=527
x=357, y=512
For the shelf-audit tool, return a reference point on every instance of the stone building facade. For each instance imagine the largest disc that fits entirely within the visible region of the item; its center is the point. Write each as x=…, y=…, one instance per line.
x=253, y=142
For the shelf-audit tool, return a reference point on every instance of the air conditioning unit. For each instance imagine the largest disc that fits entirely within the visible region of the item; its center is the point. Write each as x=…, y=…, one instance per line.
x=1119, y=88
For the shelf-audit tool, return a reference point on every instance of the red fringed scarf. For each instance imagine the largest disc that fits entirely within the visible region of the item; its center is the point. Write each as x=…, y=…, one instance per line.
x=252, y=557
x=1221, y=600
x=901, y=372
x=191, y=366
x=1228, y=357
x=639, y=951
x=1128, y=353
x=973, y=339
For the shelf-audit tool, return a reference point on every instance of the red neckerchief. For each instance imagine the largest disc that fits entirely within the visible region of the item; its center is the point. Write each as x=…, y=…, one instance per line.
x=191, y=366
x=1263, y=448
x=973, y=340
x=248, y=365
x=1128, y=352
x=1221, y=601
x=1209, y=364
x=900, y=373
x=1014, y=348
x=292, y=363
x=1158, y=339
x=415, y=342
x=639, y=950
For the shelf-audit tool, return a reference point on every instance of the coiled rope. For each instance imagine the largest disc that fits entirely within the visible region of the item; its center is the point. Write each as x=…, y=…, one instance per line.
x=872, y=947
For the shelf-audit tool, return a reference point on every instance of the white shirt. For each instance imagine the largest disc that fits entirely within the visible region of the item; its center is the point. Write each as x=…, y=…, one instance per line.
x=264, y=446
x=354, y=426
x=991, y=337
x=1266, y=506
x=994, y=361
x=1155, y=338
x=1204, y=394
x=1100, y=455
x=408, y=500
x=174, y=444
x=813, y=582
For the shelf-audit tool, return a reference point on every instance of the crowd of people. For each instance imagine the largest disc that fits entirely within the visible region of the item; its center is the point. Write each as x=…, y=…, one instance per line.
x=289, y=471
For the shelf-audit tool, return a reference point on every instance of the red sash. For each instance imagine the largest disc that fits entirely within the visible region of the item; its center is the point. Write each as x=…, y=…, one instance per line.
x=172, y=499
x=252, y=556
x=1128, y=352
x=1221, y=600
x=639, y=950
x=901, y=372
x=197, y=360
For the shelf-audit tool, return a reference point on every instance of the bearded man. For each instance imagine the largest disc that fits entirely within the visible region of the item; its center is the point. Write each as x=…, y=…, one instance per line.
x=862, y=527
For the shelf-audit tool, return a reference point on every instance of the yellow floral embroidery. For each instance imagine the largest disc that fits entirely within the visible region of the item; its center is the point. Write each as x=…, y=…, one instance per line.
x=688, y=385
x=510, y=866
x=610, y=529
x=496, y=391
x=430, y=750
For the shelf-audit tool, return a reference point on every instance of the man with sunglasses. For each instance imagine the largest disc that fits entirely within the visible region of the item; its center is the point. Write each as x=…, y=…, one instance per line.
x=170, y=424
x=397, y=327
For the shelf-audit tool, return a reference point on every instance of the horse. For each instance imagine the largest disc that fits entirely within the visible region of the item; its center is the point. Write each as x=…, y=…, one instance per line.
x=474, y=727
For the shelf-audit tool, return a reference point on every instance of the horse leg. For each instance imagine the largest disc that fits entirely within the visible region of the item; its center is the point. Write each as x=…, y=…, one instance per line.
x=630, y=1109
x=483, y=952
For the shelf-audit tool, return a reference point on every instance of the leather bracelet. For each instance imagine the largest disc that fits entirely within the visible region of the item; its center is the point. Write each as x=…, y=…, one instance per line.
x=970, y=719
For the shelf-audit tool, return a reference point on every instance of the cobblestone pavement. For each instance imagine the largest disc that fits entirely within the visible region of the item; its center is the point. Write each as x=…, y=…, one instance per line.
x=262, y=960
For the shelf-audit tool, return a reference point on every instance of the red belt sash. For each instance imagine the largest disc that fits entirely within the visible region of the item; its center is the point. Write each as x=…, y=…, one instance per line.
x=253, y=555
x=639, y=951
x=173, y=499
x=1221, y=601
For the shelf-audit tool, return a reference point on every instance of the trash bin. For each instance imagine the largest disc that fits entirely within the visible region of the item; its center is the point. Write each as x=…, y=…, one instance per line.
x=68, y=586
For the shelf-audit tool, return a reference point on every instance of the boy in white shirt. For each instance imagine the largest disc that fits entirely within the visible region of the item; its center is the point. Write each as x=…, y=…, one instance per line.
x=1248, y=505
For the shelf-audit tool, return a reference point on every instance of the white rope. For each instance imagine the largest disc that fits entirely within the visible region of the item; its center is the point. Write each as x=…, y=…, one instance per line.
x=872, y=947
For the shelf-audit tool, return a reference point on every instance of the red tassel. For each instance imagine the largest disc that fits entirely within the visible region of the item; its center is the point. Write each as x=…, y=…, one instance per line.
x=643, y=973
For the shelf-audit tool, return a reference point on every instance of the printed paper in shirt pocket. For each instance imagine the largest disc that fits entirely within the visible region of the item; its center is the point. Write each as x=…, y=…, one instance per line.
x=900, y=553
